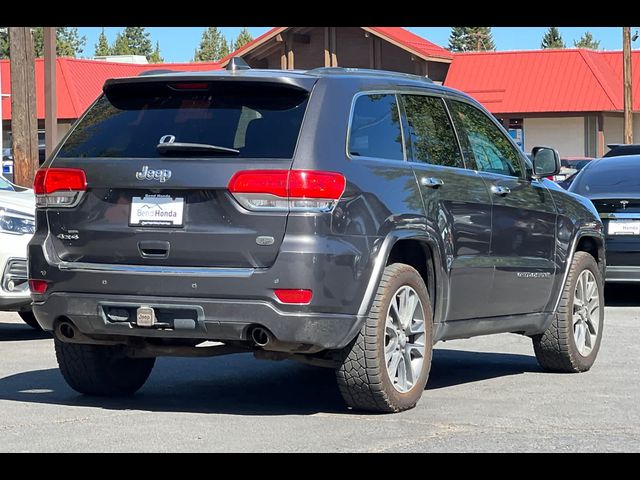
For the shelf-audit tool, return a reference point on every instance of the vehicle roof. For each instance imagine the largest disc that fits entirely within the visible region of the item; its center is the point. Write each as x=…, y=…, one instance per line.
x=393, y=79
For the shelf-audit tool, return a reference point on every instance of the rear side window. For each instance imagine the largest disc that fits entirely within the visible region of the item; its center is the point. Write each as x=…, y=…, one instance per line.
x=260, y=121
x=375, y=128
x=432, y=137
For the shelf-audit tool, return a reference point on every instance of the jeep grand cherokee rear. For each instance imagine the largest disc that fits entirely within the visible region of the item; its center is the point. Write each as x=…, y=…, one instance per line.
x=343, y=218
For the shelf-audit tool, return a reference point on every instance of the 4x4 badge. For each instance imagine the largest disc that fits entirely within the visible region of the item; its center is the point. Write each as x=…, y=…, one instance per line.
x=148, y=174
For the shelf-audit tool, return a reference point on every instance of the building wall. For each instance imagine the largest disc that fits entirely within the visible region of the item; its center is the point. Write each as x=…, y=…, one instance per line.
x=565, y=134
x=614, y=129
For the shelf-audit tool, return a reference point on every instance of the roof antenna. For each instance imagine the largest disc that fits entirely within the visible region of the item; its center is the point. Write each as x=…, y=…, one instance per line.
x=237, y=63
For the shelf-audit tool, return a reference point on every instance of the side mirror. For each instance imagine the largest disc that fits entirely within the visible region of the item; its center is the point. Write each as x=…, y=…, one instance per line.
x=546, y=161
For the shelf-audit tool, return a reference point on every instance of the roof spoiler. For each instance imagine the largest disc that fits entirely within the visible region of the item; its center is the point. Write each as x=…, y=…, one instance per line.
x=158, y=71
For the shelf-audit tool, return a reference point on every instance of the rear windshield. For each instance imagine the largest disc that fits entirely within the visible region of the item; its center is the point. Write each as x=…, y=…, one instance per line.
x=609, y=177
x=258, y=120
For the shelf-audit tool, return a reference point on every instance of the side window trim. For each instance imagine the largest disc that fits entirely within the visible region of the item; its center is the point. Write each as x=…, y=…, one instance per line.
x=519, y=154
x=402, y=128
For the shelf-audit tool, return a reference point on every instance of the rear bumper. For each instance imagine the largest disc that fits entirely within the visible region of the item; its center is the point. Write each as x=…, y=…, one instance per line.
x=216, y=319
x=621, y=274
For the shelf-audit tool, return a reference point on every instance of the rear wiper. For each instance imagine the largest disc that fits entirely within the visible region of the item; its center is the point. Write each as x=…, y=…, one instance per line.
x=195, y=148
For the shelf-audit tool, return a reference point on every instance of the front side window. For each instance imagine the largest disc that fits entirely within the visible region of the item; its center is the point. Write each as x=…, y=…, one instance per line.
x=484, y=142
x=375, y=128
x=432, y=137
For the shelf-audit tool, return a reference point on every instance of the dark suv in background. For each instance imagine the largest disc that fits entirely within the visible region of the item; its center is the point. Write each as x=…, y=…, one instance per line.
x=345, y=218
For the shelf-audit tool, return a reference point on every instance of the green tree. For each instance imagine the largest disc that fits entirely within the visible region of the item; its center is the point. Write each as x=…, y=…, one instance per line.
x=133, y=41
x=587, y=41
x=68, y=42
x=465, y=39
x=552, y=39
x=213, y=46
x=102, y=47
x=243, y=38
x=4, y=42
x=155, y=56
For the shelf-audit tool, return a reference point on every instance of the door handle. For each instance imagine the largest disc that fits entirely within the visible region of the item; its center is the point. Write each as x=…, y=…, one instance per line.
x=500, y=190
x=431, y=182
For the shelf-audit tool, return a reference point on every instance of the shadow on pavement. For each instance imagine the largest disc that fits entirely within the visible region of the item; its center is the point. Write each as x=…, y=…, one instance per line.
x=622, y=295
x=14, y=332
x=240, y=385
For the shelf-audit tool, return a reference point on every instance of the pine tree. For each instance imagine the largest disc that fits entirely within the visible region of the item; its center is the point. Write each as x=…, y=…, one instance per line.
x=243, y=38
x=552, y=39
x=587, y=41
x=4, y=42
x=458, y=39
x=464, y=39
x=120, y=46
x=155, y=56
x=133, y=41
x=213, y=46
x=68, y=42
x=102, y=47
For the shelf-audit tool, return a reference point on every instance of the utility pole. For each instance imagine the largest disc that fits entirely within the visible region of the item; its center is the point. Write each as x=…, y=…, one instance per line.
x=626, y=73
x=24, y=121
x=50, y=98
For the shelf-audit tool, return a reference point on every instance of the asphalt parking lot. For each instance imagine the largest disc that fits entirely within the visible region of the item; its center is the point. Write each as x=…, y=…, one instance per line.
x=484, y=394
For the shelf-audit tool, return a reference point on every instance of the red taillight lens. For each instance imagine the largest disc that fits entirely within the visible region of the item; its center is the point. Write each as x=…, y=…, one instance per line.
x=311, y=184
x=38, y=286
x=297, y=296
x=58, y=187
x=282, y=190
x=49, y=180
x=272, y=182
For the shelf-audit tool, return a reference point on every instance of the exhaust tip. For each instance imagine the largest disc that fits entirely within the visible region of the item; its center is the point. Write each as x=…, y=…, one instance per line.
x=66, y=330
x=260, y=336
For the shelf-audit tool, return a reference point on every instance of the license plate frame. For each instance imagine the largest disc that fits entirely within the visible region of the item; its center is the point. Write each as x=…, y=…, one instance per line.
x=617, y=227
x=157, y=210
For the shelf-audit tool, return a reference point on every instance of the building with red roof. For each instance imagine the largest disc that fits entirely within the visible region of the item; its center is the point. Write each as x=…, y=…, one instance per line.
x=567, y=98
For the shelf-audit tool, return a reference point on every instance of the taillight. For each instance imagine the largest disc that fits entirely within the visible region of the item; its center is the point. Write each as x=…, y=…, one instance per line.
x=284, y=190
x=293, y=296
x=38, y=286
x=59, y=187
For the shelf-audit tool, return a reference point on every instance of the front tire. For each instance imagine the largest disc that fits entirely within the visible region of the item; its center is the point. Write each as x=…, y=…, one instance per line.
x=101, y=370
x=572, y=341
x=30, y=319
x=386, y=367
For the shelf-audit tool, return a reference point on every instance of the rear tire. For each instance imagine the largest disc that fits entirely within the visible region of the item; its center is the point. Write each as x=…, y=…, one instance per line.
x=101, y=369
x=30, y=319
x=572, y=341
x=386, y=367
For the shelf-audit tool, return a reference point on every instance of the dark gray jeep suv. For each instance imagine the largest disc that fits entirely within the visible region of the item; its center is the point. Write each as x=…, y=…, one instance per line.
x=345, y=218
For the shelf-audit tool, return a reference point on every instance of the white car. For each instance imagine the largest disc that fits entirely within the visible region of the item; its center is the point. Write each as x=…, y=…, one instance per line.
x=17, y=224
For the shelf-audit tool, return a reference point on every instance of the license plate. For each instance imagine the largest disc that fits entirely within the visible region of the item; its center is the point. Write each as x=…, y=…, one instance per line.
x=145, y=317
x=156, y=211
x=624, y=227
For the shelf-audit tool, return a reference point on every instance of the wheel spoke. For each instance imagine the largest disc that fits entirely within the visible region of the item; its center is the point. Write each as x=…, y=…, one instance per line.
x=394, y=307
x=408, y=368
x=415, y=349
x=416, y=327
x=402, y=374
x=579, y=334
x=392, y=367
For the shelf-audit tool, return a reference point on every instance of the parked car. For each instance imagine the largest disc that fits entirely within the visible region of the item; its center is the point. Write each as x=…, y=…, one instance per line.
x=17, y=208
x=570, y=166
x=613, y=185
x=7, y=161
x=618, y=149
x=327, y=216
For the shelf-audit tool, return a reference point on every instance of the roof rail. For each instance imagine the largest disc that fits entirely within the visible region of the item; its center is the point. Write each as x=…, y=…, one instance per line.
x=156, y=72
x=237, y=63
x=367, y=71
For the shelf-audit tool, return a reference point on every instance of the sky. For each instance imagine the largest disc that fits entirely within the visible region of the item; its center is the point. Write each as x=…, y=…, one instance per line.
x=177, y=44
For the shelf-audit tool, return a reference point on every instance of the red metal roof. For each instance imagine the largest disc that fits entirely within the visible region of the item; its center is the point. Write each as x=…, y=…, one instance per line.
x=79, y=82
x=563, y=80
x=406, y=39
